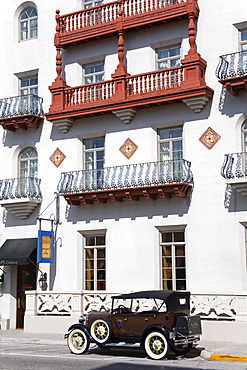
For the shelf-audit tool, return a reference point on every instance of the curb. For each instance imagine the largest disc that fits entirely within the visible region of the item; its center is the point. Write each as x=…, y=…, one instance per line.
x=222, y=357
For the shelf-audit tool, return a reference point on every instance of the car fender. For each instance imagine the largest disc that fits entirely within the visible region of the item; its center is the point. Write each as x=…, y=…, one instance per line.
x=81, y=327
x=155, y=327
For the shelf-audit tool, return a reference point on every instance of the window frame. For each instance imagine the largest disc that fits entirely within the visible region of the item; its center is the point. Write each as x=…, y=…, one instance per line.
x=28, y=20
x=93, y=2
x=173, y=245
x=169, y=58
x=242, y=42
x=29, y=87
x=28, y=160
x=95, y=280
x=170, y=141
x=93, y=74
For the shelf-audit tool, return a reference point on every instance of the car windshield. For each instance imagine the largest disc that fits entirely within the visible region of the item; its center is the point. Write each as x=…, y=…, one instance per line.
x=140, y=304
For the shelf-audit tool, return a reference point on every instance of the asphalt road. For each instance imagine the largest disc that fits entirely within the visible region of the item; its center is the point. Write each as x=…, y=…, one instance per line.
x=31, y=356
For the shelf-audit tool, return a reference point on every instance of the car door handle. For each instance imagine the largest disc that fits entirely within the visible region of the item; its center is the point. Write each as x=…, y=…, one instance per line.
x=146, y=319
x=125, y=319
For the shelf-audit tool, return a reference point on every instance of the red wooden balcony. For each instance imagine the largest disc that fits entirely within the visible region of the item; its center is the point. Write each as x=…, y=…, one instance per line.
x=124, y=93
x=107, y=19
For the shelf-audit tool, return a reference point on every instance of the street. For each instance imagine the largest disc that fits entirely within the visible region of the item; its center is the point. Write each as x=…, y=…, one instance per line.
x=30, y=356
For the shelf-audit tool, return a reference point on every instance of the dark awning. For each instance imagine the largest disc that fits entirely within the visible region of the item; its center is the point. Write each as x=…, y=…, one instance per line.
x=17, y=251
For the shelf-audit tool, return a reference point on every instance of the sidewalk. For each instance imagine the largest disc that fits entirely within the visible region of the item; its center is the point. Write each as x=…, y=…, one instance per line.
x=216, y=351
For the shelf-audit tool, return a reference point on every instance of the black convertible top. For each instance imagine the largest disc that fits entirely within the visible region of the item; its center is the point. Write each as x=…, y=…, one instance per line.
x=171, y=297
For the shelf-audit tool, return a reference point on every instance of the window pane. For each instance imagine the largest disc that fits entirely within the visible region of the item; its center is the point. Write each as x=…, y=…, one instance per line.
x=90, y=241
x=179, y=236
x=244, y=35
x=100, y=240
x=166, y=237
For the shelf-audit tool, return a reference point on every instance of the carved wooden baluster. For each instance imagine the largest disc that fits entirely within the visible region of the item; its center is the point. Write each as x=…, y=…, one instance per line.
x=59, y=63
x=192, y=33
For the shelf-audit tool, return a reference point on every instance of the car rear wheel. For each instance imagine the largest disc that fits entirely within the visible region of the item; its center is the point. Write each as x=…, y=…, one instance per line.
x=78, y=342
x=101, y=331
x=156, y=345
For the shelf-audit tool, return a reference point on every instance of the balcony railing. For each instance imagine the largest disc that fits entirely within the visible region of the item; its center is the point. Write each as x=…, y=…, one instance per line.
x=21, y=111
x=234, y=166
x=22, y=187
x=104, y=18
x=143, y=179
x=232, y=70
x=21, y=106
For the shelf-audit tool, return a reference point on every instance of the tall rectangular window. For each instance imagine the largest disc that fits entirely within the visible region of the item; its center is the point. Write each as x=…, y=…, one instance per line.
x=94, y=162
x=173, y=260
x=168, y=57
x=90, y=3
x=243, y=40
x=29, y=85
x=93, y=73
x=171, y=143
x=95, y=262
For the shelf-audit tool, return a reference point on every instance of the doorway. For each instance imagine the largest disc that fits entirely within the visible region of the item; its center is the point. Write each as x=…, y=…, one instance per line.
x=26, y=280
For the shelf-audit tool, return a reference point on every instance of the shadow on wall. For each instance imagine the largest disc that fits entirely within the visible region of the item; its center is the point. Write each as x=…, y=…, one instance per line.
x=237, y=202
x=130, y=209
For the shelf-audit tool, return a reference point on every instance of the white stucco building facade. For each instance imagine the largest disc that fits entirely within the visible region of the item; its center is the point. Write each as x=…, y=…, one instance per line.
x=115, y=139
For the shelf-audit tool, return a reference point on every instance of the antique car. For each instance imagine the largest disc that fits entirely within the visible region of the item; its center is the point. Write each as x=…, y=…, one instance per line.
x=157, y=320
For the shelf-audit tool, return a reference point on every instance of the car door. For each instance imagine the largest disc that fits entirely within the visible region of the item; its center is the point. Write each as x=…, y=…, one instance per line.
x=120, y=324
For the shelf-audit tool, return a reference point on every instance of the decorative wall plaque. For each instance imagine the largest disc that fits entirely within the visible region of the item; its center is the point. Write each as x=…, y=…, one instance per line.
x=128, y=148
x=57, y=157
x=209, y=138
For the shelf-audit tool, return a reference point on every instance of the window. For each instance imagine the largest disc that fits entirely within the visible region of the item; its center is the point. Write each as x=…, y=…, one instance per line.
x=29, y=85
x=171, y=154
x=90, y=3
x=28, y=172
x=171, y=144
x=94, y=73
x=28, y=163
x=173, y=260
x=168, y=57
x=94, y=162
x=95, y=263
x=28, y=24
x=243, y=40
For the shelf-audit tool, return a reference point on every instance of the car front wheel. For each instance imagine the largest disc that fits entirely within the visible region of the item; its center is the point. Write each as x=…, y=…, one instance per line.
x=78, y=342
x=101, y=331
x=156, y=345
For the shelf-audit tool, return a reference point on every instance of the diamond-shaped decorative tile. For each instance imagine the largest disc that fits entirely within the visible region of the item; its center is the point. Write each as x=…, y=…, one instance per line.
x=128, y=148
x=57, y=157
x=209, y=138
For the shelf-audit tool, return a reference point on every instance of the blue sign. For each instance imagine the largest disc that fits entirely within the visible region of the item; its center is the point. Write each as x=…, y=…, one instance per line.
x=45, y=246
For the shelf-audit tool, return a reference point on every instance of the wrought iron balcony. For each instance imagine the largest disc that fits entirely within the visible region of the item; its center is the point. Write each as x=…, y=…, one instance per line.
x=20, y=112
x=107, y=19
x=20, y=196
x=234, y=170
x=232, y=71
x=147, y=180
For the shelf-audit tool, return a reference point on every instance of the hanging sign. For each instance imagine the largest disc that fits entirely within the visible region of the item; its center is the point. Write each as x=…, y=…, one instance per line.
x=45, y=247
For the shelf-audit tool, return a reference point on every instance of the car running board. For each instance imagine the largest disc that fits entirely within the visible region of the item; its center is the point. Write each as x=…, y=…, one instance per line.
x=123, y=344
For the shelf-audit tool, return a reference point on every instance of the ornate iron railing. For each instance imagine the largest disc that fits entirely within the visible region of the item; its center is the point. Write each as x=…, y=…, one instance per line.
x=109, y=12
x=234, y=166
x=21, y=105
x=232, y=65
x=22, y=187
x=128, y=176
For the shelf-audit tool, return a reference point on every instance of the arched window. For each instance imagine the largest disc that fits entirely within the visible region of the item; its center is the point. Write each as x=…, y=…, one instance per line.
x=28, y=163
x=28, y=24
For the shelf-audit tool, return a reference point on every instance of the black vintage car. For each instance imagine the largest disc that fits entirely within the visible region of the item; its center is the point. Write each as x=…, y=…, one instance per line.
x=157, y=320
